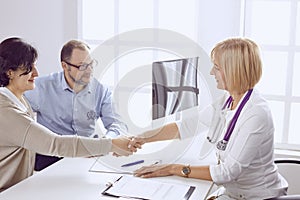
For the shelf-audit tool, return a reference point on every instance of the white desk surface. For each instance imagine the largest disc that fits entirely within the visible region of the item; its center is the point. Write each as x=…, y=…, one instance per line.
x=70, y=179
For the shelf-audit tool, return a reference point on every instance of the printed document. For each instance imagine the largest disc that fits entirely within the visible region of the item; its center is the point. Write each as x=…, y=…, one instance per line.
x=133, y=187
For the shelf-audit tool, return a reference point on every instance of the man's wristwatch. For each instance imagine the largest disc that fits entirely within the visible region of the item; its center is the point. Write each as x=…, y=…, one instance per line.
x=186, y=170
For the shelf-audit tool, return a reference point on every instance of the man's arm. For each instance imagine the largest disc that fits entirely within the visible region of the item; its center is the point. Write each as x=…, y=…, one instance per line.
x=110, y=117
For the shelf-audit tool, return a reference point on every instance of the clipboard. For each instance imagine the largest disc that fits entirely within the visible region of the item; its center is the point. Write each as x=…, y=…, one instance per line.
x=134, y=188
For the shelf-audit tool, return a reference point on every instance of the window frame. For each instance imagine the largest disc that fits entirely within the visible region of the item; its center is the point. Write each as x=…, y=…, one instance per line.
x=291, y=49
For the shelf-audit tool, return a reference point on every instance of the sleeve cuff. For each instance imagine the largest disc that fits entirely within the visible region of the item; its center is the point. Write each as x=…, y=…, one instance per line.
x=111, y=134
x=213, y=173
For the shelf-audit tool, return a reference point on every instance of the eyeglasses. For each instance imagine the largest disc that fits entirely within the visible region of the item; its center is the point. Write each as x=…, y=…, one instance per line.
x=84, y=66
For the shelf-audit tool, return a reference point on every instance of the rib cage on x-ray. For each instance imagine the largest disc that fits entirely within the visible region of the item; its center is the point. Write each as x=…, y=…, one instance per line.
x=174, y=86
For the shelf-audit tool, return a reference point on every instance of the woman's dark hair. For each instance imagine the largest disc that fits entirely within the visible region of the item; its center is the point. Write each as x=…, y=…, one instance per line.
x=14, y=54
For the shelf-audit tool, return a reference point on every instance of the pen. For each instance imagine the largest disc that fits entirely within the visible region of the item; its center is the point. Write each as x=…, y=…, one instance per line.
x=133, y=163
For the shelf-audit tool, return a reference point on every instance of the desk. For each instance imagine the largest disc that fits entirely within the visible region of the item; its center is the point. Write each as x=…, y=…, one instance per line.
x=70, y=179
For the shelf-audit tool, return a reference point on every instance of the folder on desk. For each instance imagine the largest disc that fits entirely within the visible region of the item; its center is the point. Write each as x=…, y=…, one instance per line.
x=146, y=189
x=110, y=164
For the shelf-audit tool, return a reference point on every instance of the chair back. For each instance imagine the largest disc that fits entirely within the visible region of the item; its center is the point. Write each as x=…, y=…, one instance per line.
x=289, y=168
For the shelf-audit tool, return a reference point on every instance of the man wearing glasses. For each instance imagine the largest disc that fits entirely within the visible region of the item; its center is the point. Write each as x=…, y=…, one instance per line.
x=71, y=101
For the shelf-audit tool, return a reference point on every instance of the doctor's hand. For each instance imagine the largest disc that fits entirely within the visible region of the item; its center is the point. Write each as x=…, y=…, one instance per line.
x=157, y=170
x=120, y=147
x=136, y=142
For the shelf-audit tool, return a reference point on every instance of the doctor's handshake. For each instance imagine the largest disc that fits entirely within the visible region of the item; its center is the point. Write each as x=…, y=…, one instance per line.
x=125, y=146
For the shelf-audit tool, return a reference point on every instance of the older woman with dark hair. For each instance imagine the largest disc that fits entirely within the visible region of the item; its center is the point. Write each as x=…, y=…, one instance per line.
x=20, y=136
x=241, y=130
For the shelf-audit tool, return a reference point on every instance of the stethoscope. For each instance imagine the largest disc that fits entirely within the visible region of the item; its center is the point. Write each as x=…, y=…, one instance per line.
x=221, y=145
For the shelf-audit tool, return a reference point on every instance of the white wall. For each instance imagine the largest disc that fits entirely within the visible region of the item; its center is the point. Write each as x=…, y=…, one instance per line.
x=218, y=20
x=47, y=25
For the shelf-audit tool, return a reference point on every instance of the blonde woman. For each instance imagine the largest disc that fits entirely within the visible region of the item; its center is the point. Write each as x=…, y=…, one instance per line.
x=241, y=130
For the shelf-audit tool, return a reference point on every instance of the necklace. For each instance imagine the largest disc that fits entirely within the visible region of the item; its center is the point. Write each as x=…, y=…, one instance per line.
x=221, y=145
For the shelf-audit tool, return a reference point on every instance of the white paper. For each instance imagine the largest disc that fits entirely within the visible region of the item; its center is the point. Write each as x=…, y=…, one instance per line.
x=147, y=189
x=110, y=164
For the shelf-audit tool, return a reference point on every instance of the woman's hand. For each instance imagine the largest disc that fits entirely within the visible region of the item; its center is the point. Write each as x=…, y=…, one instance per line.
x=156, y=170
x=120, y=147
x=136, y=142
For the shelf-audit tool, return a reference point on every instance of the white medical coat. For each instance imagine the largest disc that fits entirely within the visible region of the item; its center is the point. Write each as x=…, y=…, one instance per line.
x=246, y=168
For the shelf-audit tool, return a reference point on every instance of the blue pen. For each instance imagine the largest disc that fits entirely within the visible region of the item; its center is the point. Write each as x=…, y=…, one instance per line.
x=133, y=163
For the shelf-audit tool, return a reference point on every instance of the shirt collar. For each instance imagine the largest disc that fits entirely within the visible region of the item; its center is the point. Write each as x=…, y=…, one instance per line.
x=13, y=98
x=63, y=82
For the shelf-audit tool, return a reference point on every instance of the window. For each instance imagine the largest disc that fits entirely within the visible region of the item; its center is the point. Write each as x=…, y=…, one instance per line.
x=275, y=26
x=102, y=20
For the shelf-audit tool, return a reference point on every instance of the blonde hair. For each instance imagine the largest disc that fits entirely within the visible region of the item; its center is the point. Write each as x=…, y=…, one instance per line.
x=241, y=61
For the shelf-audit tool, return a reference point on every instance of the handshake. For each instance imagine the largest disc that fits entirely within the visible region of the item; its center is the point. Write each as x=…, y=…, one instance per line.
x=125, y=146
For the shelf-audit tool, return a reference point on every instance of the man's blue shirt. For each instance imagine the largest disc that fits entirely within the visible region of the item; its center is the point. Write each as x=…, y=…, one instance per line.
x=65, y=112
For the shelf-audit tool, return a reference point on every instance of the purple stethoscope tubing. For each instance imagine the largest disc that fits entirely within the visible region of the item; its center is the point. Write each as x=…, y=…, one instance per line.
x=234, y=119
